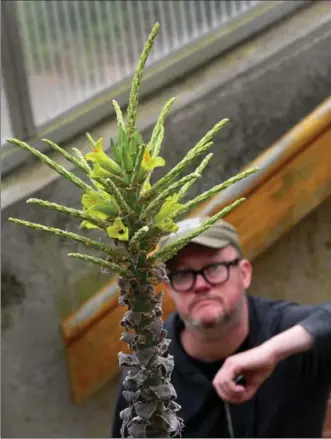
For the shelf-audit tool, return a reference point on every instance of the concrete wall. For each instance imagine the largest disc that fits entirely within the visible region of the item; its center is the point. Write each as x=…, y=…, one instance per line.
x=264, y=87
x=298, y=266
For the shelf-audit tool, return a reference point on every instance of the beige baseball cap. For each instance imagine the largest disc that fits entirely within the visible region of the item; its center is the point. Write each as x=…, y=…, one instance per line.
x=219, y=235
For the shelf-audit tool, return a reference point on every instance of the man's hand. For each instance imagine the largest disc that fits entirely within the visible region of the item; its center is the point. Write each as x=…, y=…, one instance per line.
x=255, y=364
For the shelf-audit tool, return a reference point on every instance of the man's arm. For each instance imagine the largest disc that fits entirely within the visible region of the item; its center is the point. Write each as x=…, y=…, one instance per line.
x=316, y=319
x=292, y=341
x=301, y=329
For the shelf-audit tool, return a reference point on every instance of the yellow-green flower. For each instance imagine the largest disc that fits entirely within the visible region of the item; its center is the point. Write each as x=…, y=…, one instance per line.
x=170, y=206
x=168, y=226
x=87, y=225
x=149, y=163
x=91, y=199
x=99, y=172
x=98, y=156
x=118, y=230
x=162, y=220
x=98, y=207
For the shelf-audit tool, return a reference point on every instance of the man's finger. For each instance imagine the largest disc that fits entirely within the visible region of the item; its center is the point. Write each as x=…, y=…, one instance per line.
x=234, y=399
x=250, y=390
x=228, y=394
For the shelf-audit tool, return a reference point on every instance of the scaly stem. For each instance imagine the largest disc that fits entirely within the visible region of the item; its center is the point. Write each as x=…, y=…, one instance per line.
x=152, y=411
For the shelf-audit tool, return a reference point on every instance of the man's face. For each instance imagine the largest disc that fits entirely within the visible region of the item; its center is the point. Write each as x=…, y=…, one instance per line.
x=205, y=305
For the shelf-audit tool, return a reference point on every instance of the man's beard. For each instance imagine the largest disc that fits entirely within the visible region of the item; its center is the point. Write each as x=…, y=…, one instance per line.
x=222, y=323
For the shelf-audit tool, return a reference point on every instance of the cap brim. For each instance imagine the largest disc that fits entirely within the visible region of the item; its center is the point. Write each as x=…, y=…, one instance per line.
x=210, y=242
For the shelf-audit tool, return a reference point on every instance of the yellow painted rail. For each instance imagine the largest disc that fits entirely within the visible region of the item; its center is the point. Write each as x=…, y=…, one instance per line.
x=294, y=178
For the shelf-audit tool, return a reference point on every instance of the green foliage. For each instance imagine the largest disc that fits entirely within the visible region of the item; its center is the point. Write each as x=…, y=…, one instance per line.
x=133, y=215
x=120, y=199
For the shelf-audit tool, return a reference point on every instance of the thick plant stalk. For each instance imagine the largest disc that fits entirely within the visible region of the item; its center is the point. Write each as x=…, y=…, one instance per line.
x=151, y=410
x=134, y=215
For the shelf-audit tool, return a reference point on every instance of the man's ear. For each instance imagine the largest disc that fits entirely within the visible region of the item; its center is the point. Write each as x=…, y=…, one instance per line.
x=246, y=272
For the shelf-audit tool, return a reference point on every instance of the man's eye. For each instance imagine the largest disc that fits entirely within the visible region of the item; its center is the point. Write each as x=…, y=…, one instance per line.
x=215, y=270
x=182, y=276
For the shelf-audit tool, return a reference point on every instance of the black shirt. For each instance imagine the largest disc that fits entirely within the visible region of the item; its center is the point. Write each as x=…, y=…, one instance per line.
x=213, y=406
x=292, y=402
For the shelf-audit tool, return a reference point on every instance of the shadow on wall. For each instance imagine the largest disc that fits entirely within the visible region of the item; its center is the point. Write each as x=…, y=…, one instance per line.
x=12, y=294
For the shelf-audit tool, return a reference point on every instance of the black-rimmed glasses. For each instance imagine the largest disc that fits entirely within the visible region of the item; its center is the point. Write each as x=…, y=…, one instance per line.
x=215, y=274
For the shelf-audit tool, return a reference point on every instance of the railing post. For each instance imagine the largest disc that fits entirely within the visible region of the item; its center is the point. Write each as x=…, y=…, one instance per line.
x=14, y=74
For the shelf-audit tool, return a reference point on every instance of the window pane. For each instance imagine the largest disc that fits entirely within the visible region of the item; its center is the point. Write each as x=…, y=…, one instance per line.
x=74, y=49
x=6, y=130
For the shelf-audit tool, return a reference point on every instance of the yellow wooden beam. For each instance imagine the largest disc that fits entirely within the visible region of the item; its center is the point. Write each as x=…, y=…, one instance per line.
x=295, y=177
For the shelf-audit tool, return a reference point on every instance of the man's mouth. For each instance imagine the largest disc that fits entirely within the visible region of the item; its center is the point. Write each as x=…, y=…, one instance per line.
x=205, y=302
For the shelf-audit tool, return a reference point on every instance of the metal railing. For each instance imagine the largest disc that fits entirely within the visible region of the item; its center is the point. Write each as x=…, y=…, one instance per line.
x=74, y=50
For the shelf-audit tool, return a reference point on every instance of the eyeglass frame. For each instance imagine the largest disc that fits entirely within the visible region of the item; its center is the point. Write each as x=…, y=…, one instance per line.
x=226, y=264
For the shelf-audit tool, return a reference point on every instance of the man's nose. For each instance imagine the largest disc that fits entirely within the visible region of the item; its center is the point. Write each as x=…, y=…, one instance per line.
x=201, y=284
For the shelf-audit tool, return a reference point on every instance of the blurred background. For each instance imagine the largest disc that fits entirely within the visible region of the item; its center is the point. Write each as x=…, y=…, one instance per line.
x=73, y=50
x=265, y=65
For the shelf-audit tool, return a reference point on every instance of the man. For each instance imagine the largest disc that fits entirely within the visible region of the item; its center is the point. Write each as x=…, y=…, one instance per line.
x=244, y=366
